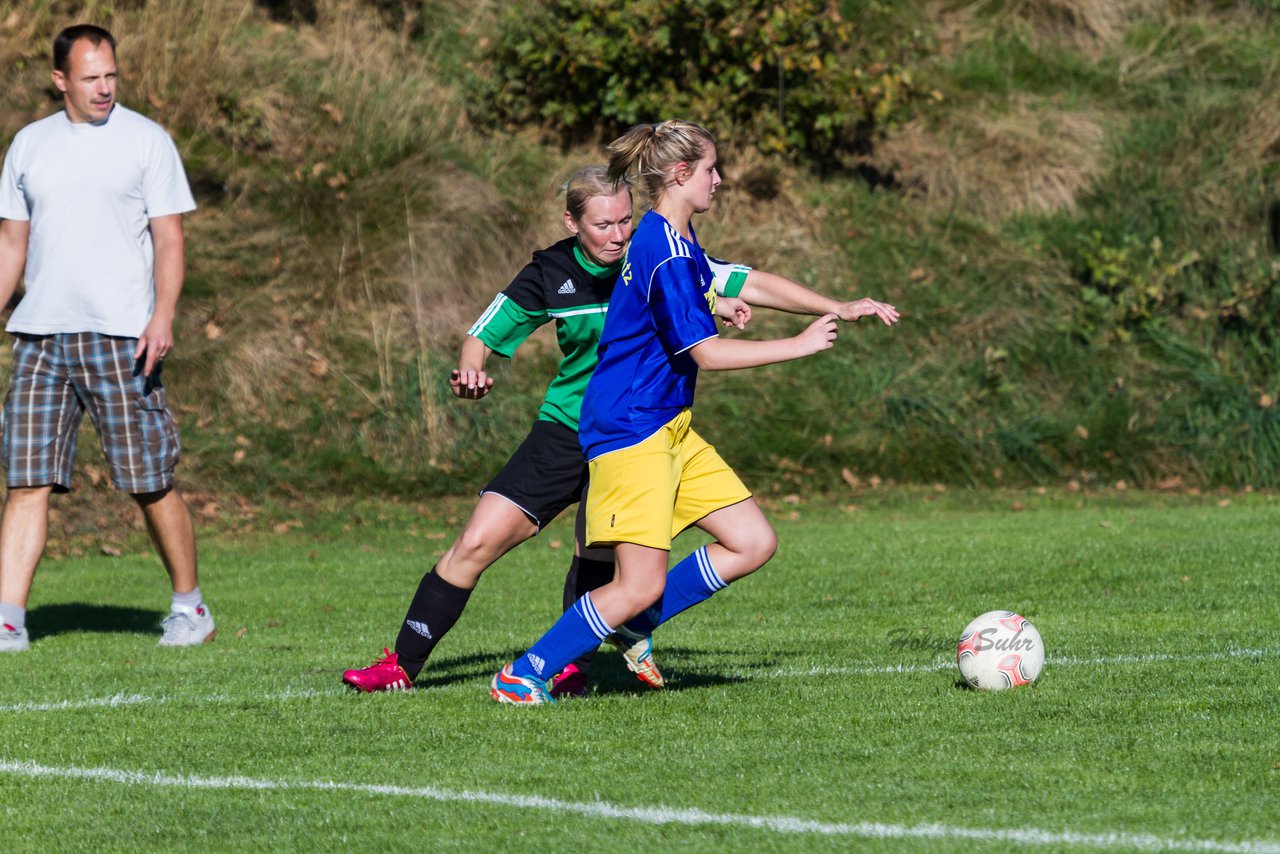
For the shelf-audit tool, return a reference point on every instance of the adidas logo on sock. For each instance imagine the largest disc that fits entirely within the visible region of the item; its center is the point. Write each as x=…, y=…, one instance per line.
x=567, y=288
x=421, y=628
x=537, y=661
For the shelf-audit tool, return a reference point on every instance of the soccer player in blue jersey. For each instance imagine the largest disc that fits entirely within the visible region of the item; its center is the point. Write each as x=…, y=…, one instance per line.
x=651, y=475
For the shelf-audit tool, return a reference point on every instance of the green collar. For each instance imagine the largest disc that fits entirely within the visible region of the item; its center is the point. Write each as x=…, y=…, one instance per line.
x=597, y=270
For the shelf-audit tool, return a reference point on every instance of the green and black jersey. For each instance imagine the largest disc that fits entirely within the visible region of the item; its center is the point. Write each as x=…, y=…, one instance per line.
x=563, y=285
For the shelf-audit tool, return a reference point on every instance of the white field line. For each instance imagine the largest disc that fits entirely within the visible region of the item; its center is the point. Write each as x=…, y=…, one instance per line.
x=142, y=699
x=651, y=815
x=1051, y=661
x=119, y=700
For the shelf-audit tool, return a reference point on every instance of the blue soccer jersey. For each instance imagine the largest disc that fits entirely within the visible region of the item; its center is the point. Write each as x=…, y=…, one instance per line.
x=661, y=307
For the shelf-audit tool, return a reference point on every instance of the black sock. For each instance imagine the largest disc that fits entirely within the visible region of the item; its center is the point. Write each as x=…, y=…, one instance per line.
x=585, y=575
x=435, y=608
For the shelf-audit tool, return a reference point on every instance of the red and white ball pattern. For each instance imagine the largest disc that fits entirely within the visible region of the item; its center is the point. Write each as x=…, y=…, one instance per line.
x=999, y=650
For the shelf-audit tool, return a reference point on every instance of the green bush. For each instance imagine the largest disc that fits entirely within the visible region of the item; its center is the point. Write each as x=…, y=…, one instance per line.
x=1128, y=283
x=786, y=77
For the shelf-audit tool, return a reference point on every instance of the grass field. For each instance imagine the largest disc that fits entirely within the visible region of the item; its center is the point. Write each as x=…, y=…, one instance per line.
x=813, y=707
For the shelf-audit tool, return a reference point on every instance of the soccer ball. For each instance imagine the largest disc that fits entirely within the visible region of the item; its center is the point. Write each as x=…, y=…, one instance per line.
x=1000, y=650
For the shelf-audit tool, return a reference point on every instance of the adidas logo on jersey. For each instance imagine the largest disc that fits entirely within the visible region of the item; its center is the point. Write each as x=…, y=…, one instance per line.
x=421, y=628
x=567, y=288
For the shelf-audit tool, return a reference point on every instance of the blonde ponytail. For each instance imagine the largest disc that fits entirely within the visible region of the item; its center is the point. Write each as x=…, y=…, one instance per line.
x=646, y=153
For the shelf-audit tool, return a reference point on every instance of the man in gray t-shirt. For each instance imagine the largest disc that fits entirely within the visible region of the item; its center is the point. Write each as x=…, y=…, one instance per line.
x=91, y=205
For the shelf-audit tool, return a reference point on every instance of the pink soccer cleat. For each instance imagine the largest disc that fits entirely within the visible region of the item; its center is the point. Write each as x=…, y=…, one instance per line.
x=570, y=682
x=385, y=674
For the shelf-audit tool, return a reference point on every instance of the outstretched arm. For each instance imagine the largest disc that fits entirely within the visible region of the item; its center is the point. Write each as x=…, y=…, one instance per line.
x=468, y=380
x=729, y=354
x=769, y=290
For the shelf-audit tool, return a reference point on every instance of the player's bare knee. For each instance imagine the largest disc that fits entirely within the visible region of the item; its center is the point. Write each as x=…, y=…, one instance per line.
x=641, y=593
x=473, y=547
x=755, y=546
x=767, y=546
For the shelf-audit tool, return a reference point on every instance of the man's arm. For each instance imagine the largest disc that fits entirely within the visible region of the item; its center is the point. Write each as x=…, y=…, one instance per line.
x=469, y=380
x=14, y=235
x=156, y=340
x=769, y=290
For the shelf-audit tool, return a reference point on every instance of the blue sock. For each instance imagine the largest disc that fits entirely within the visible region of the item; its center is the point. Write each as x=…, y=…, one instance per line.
x=578, y=630
x=689, y=582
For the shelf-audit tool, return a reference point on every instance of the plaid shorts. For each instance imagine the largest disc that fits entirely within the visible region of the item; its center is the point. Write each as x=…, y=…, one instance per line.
x=56, y=379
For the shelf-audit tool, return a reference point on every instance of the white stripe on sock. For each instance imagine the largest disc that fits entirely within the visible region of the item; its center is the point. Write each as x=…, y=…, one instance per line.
x=598, y=626
x=709, y=574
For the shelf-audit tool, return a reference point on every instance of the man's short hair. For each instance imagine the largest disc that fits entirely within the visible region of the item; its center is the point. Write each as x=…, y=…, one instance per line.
x=64, y=41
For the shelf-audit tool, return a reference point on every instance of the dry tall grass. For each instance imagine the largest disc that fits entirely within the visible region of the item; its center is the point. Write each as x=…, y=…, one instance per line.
x=1258, y=144
x=1085, y=24
x=1031, y=157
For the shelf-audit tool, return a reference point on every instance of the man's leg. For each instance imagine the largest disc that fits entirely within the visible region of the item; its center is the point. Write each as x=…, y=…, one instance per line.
x=173, y=533
x=41, y=415
x=24, y=531
x=140, y=442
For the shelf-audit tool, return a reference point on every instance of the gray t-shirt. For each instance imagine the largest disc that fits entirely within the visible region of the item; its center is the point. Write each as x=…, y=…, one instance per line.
x=88, y=191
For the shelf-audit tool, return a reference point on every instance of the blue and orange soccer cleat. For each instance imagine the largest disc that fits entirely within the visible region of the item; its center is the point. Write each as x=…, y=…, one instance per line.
x=637, y=651
x=570, y=682
x=506, y=687
x=385, y=674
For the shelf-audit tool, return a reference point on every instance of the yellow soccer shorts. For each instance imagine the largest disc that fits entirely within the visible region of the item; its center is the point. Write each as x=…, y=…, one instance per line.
x=649, y=492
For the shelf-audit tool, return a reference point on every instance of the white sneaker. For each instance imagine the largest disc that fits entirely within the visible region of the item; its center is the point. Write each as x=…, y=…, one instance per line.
x=188, y=628
x=13, y=640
